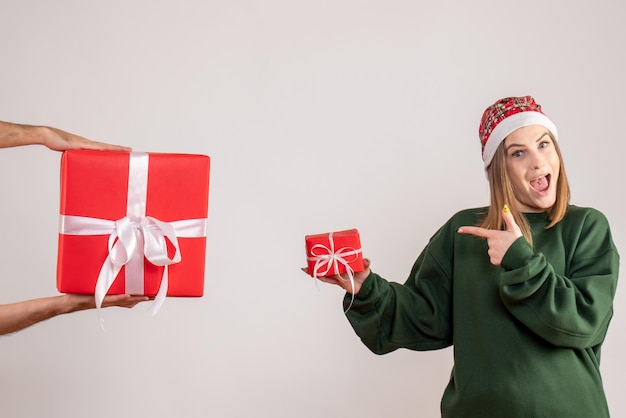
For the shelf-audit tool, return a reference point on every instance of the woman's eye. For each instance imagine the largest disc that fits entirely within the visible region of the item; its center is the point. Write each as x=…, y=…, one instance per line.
x=516, y=154
x=544, y=144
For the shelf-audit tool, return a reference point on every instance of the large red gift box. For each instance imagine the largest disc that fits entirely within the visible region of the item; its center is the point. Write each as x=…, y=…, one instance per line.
x=139, y=218
x=334, y=253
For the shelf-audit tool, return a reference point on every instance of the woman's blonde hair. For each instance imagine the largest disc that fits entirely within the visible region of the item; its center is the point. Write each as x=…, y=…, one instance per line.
x=501, y=191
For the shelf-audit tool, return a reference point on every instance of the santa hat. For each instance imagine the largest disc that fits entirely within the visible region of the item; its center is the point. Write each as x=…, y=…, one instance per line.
x=505, y=116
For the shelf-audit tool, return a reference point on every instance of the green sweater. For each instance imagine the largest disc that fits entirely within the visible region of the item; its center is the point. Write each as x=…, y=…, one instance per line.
x=526, y=335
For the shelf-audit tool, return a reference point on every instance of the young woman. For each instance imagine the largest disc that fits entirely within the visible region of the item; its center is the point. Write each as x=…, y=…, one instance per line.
x=523, y=289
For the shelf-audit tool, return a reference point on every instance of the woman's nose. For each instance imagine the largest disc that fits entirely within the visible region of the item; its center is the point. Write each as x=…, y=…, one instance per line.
x=537, y=161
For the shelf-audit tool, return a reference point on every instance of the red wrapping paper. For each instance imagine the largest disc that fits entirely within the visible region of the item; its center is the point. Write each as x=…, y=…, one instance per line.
x=95, y=184
x=345, y=246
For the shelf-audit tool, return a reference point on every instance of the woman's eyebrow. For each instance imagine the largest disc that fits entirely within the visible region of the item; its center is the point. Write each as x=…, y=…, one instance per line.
x=541, y=137
x=521, y=145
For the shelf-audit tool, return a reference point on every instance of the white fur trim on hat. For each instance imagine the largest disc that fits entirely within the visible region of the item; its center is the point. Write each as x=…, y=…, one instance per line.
x=508, y=125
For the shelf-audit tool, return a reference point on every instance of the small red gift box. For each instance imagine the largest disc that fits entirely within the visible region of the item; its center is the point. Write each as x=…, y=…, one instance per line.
x=132, y=223
x=334, y=253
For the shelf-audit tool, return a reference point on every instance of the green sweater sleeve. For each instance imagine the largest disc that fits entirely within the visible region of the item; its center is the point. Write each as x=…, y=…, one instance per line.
x=570, y=310
x=416, y=315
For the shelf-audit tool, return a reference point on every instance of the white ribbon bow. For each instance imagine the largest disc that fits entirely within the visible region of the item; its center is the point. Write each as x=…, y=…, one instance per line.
x=331, y=260
x=134, y=237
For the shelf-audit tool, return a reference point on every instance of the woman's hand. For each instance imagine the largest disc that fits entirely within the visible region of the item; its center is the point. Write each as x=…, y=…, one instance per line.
x=343, y=280
x=498, y=241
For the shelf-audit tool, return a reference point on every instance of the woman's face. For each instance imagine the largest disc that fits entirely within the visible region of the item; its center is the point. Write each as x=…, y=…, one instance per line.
x=532, y=164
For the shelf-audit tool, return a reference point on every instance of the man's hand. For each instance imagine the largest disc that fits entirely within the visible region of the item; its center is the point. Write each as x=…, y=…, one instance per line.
x=75, y=302
x=14, y=135
x=58, y=140
x=20, y=315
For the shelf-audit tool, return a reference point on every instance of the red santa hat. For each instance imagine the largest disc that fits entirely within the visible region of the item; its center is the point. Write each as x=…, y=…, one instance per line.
x=505, y=116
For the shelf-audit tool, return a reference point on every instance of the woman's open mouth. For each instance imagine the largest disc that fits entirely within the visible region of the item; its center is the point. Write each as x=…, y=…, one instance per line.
x=541, y=184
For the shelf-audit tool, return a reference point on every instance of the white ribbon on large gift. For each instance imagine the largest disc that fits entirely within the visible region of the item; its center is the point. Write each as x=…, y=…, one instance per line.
x=331, y=258
x=134, y=237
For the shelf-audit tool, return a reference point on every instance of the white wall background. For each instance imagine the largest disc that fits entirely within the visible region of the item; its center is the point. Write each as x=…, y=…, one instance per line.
x=318, y=115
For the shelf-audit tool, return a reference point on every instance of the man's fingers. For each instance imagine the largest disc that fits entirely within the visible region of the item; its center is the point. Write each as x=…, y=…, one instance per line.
x=102, y=146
